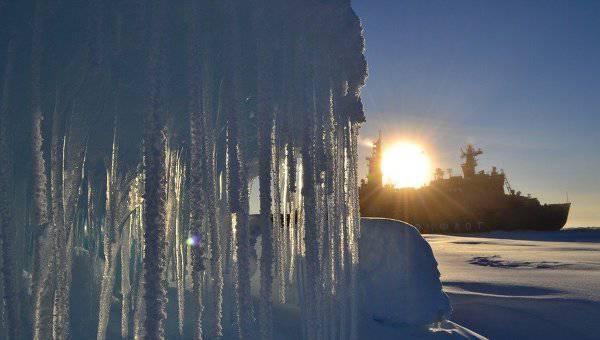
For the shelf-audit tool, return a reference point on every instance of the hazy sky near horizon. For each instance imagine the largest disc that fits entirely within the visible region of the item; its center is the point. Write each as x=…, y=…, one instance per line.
x=520, y=79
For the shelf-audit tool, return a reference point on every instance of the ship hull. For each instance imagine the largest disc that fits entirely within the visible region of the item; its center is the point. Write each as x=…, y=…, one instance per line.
x=432, y=212
x=548, y=217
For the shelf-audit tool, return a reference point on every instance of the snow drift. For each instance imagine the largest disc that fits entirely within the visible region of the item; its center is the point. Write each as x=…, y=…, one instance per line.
x=399, y=280
x=400, y=292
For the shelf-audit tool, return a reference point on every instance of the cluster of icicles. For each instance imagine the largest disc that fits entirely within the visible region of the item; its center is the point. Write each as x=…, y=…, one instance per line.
x=273, y=93
x=310, y=251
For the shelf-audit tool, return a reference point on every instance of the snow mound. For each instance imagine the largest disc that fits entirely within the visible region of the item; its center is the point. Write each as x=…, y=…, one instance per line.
x=398, y=276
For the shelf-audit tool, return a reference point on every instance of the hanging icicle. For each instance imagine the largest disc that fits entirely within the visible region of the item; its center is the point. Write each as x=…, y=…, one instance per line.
x=229, y=92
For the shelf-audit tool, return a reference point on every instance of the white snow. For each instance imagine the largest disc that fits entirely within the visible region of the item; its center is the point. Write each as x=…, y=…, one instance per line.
x=515, y=285
x=400, y=290
x=399, y=280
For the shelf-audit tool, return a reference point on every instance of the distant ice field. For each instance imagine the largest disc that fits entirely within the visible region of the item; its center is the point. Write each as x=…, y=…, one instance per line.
x=517, y=285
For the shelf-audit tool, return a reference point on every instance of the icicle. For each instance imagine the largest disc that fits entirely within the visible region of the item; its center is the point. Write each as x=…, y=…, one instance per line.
x=215, y=232
x=39, y=168
x=285, y=235
x=354, y=229
x=240, y=201
x=196, y=219
x=139, y=311
x=58, y=221
x=338, y=233
x=111, y=242
x=154, y=290
x=244, y=304
x=179, y=180
x=43, y=284
x=196, y=244
x=311, y=232
x=266, y=263
x=278, y=227
x=74, y=158
x=125, y=269
x=41, y=220
x=265, y=121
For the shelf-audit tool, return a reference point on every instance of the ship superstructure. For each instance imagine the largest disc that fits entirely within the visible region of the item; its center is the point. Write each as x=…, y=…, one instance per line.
x=475, y=201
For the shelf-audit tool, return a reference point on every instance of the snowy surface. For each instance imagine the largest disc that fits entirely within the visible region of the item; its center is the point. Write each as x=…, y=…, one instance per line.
x=516, y=285
x=401, y=295
x=398, y=275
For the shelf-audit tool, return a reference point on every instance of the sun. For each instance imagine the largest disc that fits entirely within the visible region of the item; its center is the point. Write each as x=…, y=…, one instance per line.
x=405, y=165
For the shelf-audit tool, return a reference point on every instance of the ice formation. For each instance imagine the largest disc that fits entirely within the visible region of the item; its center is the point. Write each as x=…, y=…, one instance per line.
x=202, y=97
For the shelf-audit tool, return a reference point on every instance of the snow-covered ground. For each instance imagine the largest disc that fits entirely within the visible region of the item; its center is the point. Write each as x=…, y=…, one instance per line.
x=400, y=291
x=523, y=285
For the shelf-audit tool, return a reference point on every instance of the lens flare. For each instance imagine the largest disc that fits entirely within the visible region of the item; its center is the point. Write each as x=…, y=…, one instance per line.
x=193, y=241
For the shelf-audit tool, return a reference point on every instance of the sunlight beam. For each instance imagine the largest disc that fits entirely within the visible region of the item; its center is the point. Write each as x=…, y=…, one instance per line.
x=406, y=165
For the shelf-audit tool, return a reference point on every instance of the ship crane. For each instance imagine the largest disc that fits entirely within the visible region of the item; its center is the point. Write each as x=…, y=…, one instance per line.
x=507, y=184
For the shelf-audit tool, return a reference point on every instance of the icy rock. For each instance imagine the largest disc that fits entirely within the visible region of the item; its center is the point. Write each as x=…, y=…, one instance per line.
x=398, y=276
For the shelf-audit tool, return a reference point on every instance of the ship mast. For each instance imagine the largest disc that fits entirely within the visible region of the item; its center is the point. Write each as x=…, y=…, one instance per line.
x=470, y=156
x=375, y=175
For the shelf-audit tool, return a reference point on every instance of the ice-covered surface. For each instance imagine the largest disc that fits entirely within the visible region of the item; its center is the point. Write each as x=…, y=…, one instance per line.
x=399, y=279
x=287, y=327
x=515, y=285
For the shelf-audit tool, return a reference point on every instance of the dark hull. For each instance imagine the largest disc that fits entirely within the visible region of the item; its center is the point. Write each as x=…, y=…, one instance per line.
x=547, y=217
x=433, y=212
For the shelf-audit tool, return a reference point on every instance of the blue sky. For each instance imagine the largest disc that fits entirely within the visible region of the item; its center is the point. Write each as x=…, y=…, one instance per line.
x=520, y=79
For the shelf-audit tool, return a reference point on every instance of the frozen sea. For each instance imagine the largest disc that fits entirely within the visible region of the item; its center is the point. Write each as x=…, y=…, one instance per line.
x=523, y=285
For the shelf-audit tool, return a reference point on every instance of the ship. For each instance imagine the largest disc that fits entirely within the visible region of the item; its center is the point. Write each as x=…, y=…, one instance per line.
x=475, y=201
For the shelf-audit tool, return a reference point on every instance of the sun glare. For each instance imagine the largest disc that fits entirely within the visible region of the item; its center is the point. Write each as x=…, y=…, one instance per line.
x=405, y=165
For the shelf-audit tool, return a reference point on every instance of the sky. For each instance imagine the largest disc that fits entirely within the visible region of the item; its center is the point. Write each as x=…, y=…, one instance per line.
x=520, y=79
